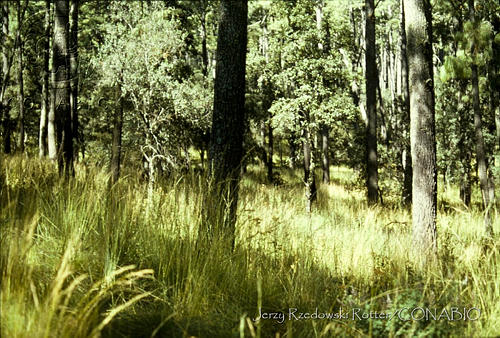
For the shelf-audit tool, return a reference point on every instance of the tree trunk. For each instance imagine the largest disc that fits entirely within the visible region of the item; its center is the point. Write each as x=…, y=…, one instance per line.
x=20, y=121
x=326, y=157
x=52, y=134
x=418, y=25
x=293, y=152
x=61, y=96
x=309, y=166
x=226, y=138
x=324, y=47
x=42, y=141
x=262, y=145
x=5, y=80
x=204, y=52
x=371, y=103
x=270, y=150
x=405, y=96
x=116, y=149
x=73, y=66
x=482, y=165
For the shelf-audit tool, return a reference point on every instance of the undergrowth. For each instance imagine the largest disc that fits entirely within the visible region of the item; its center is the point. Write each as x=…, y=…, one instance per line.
x=81, y=258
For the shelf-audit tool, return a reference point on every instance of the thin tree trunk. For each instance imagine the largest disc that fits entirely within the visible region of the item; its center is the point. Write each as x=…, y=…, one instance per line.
x=309, y=166
x=270, y=150
x=52, y=127
x=204, y=52
x=418, y=25
x=464, y=148
x=325, y=152
x=73, y=65
x=293, y=152
x=405, y=96
x=371, y=103
x=42, y=140
x=20, y=121
x=324, y=47
x=262, y=145
x=116, y=149
x=482, y=165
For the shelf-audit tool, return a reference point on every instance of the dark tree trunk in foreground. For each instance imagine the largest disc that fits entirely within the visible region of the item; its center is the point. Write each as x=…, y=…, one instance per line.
x=73, y=65
x=371, y=104
x=405, y=96
x=422, y=111
x=5, y=80
x=226, y=138
x=42, y=141
x=482, y=165
x=61, y=95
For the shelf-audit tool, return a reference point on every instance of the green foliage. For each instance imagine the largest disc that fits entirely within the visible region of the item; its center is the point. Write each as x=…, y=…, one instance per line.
x=170, y=103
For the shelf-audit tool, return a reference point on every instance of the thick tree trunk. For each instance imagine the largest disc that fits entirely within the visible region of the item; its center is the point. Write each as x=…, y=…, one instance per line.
x=73, y=65
x=226, y=138
x=418, y=24
x=371, y=104
x=405, y=96
x=42, y=140
x=61, y=96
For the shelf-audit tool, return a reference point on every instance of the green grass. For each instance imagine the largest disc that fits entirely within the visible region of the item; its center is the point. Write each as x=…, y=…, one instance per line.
x=81, y=258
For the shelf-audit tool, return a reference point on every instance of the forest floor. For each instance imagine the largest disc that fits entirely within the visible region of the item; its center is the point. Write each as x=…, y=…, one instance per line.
x=82, y=258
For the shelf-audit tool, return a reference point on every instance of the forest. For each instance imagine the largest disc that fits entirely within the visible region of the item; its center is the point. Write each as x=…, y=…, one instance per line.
x=249, y=168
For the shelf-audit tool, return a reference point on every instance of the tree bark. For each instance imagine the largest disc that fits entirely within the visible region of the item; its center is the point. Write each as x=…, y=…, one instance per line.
x=270, y=150
x=61, y=91
x=418, y=25
x=19, y=38
x=371, y=104
x=116, y=148
x=482, y=165
x=309, y=167
x=42, y=140
x=5, y=80
x=405, y=96
x=325, y=153
x=324, y=47
x=226, y=138
x=73, y=65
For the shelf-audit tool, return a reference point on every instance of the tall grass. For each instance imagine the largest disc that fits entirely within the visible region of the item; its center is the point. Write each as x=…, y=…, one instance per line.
x=83, y=258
